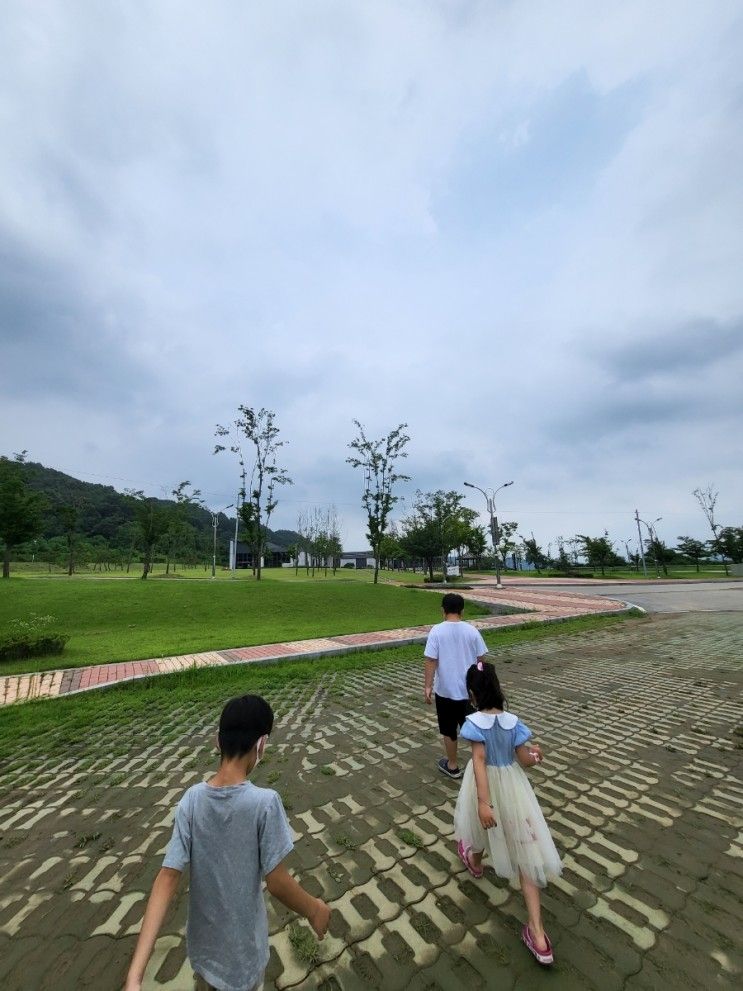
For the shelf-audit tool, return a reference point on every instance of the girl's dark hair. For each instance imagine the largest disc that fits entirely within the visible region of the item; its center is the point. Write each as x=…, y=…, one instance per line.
x=243, y=722
x=485, y=686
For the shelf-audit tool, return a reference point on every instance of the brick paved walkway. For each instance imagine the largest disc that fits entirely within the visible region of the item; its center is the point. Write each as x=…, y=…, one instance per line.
x=543, y=606
x=643, y=732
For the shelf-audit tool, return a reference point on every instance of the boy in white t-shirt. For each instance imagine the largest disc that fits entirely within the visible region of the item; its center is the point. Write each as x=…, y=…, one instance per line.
x=451, y=647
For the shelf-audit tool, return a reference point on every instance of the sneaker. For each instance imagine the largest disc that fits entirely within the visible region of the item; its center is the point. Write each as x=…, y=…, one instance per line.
x=450, y=772
x=546, y=956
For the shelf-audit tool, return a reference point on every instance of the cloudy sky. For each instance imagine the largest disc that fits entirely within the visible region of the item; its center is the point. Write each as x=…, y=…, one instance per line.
x=515, y=225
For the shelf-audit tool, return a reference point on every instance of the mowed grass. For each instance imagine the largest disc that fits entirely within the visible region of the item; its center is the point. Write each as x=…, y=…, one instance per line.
x=130, y=715
x=118, y=621
x=37, y=569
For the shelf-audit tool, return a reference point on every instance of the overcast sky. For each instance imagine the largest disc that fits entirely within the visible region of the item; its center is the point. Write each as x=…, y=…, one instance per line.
x=516, y=226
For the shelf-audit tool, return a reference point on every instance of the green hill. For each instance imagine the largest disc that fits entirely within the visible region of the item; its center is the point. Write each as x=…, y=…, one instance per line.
x=103, y=510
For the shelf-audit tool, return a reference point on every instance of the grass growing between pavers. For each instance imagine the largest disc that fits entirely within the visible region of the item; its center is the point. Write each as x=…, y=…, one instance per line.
x=131, y=711
x=124, y=621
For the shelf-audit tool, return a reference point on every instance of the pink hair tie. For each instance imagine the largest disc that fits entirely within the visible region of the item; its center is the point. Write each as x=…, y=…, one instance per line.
x=479, y=665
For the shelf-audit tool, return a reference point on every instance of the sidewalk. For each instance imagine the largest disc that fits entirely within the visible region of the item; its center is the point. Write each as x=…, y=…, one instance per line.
x=543, y=606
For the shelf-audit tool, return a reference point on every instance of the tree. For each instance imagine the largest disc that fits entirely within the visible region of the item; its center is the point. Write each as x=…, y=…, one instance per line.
x=505, y=545
x=598, y=551
x=693, y=550
x=730, y=542
x=153, y=518
x=534, y=554
x=68, y=516
x=707, y=499
x=378, y=459
x=180, y=534
x=438, y=523
x=660, y=553
x=260, y=431
x=21, y=510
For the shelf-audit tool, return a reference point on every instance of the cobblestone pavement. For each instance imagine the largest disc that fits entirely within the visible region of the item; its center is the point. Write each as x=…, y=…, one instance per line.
x=542, y=606
x=643, y=729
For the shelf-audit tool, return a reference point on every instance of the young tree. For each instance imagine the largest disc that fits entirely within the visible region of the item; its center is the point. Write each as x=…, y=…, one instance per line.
x=378, y=458
x=68, y=516
x=153, y=518
x=660, y=552
x=259, y=430
x=693, y=550
x=180, y=534
x=506, y=544
x=730, y=541
x=534, y=554
x=598, y=551
x=439, y=522
x=21, y=510
x=707, y=499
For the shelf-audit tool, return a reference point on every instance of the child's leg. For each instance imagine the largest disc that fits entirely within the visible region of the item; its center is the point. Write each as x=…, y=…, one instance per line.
x=533, y=903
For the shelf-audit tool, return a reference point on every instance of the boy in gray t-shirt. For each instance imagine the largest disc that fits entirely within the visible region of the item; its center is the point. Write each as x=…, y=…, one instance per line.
x=232, y=834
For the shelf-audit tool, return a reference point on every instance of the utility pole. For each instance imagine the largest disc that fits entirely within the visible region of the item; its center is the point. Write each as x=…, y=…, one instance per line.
x=639, y=537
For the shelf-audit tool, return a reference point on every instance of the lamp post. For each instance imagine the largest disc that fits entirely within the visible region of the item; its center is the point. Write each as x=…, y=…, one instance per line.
x=215, y=524
x=490, y=495
x=653, y=541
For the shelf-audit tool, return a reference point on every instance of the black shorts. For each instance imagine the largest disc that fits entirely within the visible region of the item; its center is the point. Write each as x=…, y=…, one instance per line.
x=451, y=714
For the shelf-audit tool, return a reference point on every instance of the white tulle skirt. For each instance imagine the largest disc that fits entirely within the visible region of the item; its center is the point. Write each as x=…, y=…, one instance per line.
x=521, y=840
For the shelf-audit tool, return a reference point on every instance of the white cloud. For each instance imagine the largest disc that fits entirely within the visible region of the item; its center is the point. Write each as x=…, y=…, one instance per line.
x=441, y=213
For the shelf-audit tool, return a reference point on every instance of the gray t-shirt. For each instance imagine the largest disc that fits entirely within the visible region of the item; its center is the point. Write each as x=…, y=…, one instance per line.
x=232, y=837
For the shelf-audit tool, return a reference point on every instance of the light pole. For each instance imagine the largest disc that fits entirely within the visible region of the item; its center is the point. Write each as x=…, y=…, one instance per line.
x=653, y=542
x=626, y=547
x=215, y=524
x=490, y=495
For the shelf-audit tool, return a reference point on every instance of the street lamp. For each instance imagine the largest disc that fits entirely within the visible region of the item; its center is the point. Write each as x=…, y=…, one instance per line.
x=215, y=523
x=653, y=542
x=490, y=495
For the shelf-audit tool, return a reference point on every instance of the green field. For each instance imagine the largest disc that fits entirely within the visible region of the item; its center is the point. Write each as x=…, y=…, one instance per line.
x=131, y=620
x=28, y=569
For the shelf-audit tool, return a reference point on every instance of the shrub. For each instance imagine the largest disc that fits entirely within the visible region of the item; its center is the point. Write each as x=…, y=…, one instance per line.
x=30, y=638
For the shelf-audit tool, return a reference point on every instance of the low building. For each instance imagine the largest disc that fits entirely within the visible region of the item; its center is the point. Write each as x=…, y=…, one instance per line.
x=356, y=559
x=274, y=555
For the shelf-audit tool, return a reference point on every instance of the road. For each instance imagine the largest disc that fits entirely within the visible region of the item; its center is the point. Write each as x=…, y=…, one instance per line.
x=670, y=597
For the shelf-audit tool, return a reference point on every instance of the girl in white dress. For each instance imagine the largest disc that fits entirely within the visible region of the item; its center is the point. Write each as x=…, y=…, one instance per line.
x=497, y=810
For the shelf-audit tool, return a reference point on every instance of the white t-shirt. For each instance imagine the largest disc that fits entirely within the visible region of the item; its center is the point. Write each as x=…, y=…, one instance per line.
x=455, y=645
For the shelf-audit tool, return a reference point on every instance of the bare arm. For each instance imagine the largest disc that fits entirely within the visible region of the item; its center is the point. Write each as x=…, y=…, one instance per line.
x=484, y=805
x=163, y=890
x=290, y=893
x=430, y=670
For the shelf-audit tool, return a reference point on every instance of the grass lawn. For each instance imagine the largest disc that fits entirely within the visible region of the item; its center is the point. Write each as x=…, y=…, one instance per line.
x=37, y=569
x=125, y=718
x=706, y=573
x=117, y=621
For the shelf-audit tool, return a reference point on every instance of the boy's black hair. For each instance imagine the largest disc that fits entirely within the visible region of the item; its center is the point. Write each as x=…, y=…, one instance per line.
x=485, y=686
x=452, y=602
x=243, y=722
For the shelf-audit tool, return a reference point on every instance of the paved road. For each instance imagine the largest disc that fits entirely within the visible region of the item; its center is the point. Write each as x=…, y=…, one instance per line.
x=671, y=597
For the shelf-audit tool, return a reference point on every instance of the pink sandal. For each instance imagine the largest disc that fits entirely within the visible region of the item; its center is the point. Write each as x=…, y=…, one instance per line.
x=464, y=856
x=545, y=957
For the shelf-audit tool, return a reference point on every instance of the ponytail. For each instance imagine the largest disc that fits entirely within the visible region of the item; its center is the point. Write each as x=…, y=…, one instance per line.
x=483, y=682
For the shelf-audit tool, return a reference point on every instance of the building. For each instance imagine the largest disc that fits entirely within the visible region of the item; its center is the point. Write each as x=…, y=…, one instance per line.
x=274, y=555
x=356, y=559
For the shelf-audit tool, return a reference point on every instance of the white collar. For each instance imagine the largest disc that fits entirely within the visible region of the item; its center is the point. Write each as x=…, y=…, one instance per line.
x=486, y=720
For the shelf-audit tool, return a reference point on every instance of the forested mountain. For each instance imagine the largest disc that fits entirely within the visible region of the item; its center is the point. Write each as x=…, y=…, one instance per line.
x=103, y=511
